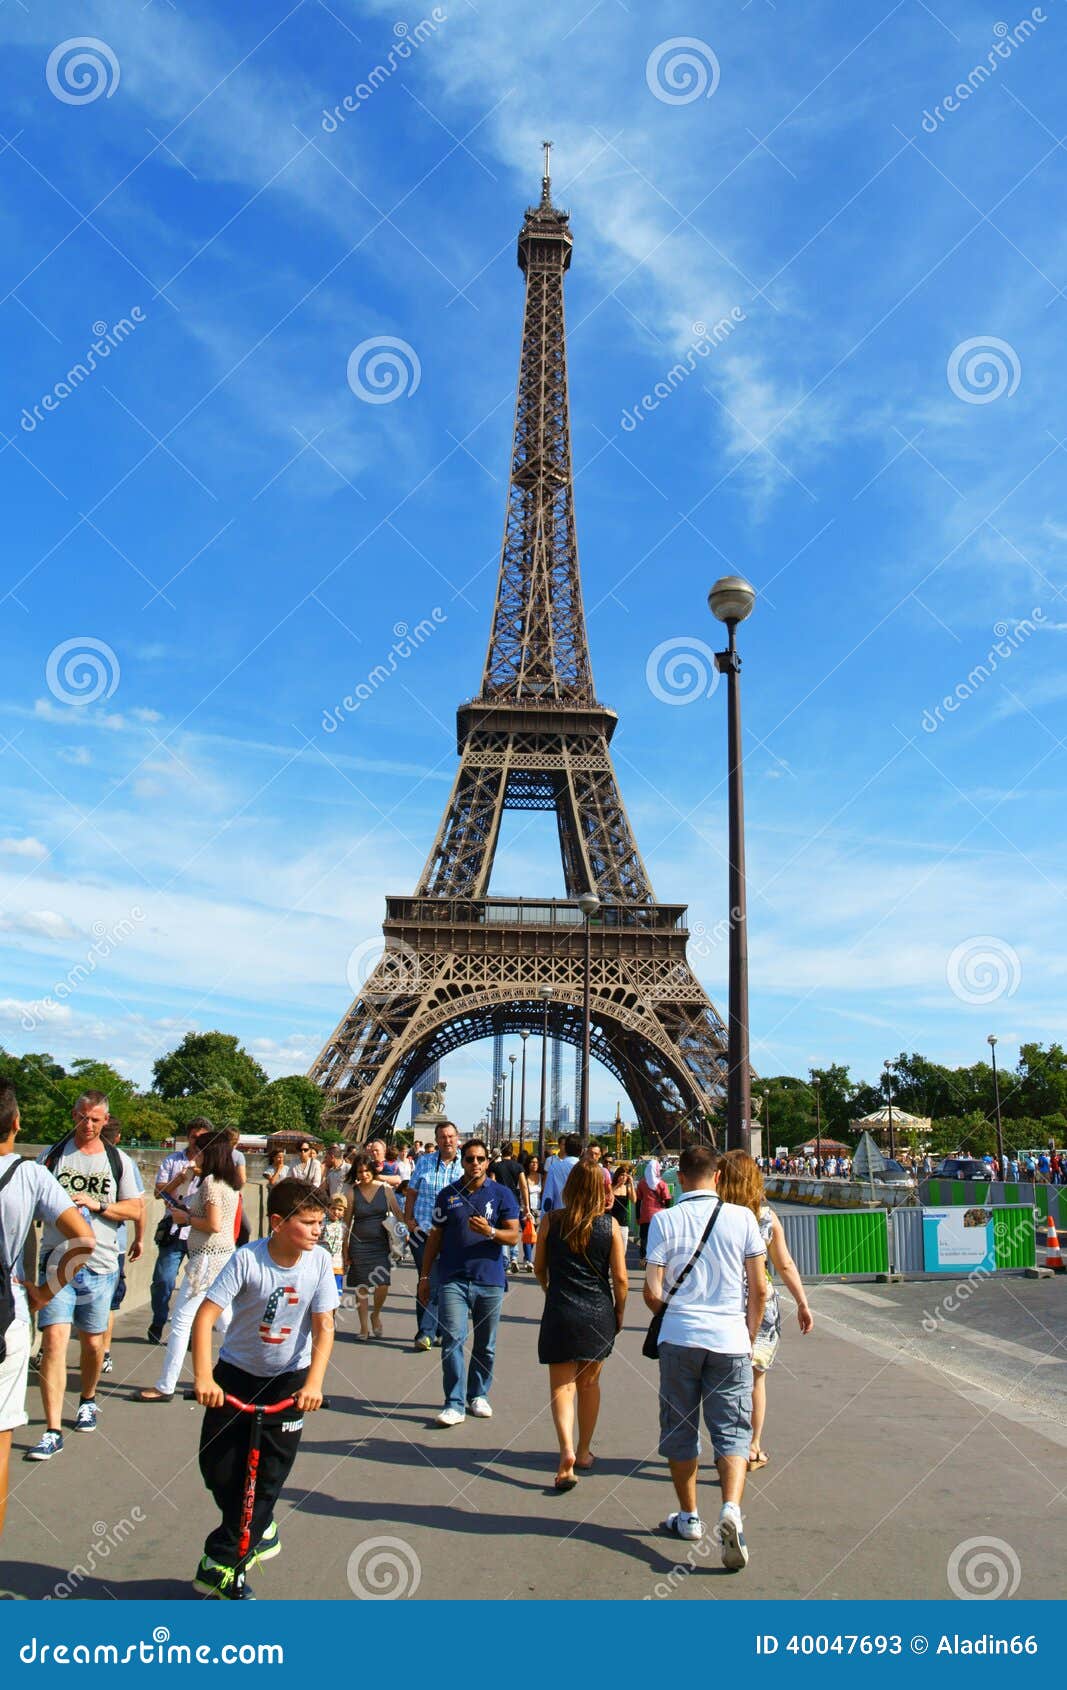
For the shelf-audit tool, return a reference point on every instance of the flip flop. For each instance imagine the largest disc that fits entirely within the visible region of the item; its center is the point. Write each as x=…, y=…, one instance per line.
x=759, y=1458
x=150, y=1394
x=565, y=1484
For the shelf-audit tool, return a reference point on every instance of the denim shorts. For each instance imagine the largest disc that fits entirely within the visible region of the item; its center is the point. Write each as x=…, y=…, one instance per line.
x=84, y=1304
x=690, y=1378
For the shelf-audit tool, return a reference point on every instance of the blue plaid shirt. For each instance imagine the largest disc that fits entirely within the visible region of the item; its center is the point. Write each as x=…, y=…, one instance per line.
x=429, y=1178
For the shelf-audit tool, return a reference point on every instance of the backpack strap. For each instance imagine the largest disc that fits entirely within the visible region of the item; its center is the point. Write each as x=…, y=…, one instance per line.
x=114, y=1160
x=9, y=1174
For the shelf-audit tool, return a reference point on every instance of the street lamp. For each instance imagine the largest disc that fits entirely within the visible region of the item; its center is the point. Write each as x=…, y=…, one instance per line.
x=991, y=1041
x=817, y=1083
x=511, y=1100
x=524, y=1035
x=731, y=599
x=545, y=994
x=588, y=903
x=888, y=1067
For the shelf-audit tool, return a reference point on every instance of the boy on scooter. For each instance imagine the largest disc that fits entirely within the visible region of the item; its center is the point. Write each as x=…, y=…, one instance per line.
x=283, y=1295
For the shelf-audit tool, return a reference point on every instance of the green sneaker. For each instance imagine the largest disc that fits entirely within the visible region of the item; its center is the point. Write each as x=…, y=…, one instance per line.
x=213, y=1579
x=269, y=1545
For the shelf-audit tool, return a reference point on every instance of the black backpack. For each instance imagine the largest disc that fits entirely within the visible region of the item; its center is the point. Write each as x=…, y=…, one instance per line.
x=7, y=1298
x=114, y=1161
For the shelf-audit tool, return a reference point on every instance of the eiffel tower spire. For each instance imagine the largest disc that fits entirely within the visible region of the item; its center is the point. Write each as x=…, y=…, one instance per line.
x=460, y=965
x=538, y=647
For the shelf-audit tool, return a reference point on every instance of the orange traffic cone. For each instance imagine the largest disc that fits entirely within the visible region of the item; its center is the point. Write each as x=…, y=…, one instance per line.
x=1053, y=1256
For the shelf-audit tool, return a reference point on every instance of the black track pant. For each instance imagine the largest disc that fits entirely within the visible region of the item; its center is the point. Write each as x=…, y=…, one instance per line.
x=224, y=1454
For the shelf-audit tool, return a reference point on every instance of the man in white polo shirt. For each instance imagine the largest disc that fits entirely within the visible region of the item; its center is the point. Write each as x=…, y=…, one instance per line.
x=712, y=1312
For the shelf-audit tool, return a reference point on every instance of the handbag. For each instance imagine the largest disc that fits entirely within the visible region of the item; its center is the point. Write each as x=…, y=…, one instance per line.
x=650, y=1347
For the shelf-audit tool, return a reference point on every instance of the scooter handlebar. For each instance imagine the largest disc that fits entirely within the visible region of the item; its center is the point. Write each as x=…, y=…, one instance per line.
x=253, y=1407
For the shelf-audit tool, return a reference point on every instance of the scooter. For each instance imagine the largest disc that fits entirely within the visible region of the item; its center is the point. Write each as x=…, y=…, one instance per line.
x=258, y=1411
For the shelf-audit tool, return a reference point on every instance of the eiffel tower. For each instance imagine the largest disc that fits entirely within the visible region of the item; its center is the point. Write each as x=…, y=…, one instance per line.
x=459, y=965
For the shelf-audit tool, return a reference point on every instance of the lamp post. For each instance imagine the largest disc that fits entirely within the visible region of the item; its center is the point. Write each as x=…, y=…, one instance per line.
x=731, y=600
x=888, y=1067
x=511, y=1100
x=545, y=994
x=816, y=1084
x=524, y=1035
x=991, y=1041
x=588, y=903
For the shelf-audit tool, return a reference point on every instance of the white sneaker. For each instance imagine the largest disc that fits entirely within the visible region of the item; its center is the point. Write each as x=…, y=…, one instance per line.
x=732, y=1539
x=450, y=1417
x=480, y=1408
x=689, y=1526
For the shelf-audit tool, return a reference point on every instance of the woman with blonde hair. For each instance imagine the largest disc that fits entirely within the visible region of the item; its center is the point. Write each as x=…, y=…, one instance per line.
x=580, y=1262
x=741, y=1182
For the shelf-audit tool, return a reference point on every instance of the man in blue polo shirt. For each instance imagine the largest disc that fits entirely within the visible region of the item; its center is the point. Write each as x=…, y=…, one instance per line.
x=473, y=1223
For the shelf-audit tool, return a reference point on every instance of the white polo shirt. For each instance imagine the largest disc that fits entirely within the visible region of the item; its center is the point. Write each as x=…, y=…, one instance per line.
x=708, y=1312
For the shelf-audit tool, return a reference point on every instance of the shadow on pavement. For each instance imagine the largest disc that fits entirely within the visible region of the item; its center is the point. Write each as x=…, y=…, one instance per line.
x=34, y=1580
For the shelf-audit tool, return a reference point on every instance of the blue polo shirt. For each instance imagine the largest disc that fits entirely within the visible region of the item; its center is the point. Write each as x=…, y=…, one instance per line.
x=466, y=1254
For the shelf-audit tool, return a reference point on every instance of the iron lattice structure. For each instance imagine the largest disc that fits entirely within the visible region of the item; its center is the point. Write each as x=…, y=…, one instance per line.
x=459, y=965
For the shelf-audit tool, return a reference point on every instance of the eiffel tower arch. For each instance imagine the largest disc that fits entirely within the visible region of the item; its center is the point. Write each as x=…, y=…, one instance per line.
x=459, y=965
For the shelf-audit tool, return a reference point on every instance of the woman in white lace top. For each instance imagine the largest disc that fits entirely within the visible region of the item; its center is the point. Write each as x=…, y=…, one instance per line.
x=211, y=1216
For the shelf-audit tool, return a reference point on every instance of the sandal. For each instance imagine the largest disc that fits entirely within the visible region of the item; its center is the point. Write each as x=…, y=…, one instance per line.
x=376, y=1329
x=150, y=1394
x=563, y=1484
x=758, y=1458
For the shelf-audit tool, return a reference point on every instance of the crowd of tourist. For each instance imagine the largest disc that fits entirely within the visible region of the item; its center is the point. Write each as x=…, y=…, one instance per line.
x=468, y=1217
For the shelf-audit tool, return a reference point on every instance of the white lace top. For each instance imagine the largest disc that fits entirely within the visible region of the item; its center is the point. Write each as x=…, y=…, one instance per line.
x=210, y=1251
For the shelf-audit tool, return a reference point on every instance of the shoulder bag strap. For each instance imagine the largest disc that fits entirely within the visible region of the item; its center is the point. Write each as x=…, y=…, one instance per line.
x=691, y=1263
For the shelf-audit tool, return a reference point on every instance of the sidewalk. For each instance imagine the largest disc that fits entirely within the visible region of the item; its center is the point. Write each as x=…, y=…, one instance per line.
x=881, y=1468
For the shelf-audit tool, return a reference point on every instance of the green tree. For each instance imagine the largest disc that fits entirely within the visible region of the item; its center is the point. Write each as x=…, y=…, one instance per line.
x=205, y=1060
x=788, y=1112
x=1041, y=1085
x=43, y=1105
x=220, y=1104
x=291, y=1104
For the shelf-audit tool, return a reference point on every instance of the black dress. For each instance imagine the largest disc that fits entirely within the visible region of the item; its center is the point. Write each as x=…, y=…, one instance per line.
x=578, y=1323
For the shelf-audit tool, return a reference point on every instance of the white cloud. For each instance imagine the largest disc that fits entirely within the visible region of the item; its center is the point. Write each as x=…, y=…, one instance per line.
x=47, y=924
x=28, y=847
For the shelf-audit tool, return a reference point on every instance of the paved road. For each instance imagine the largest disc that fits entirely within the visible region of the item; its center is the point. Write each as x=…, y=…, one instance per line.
x=882, y=1466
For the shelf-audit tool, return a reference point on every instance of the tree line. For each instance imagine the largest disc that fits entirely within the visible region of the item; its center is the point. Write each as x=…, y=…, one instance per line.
x=959, y=1102
x=212, y=1074
x=206, y=1074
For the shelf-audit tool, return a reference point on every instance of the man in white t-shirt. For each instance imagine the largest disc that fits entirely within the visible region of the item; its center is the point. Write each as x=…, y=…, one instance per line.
x=107, y=1188
x=28, y=1192
x=705, y=1350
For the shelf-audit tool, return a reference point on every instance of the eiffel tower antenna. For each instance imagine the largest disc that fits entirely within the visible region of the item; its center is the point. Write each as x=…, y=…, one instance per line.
x=460, y=965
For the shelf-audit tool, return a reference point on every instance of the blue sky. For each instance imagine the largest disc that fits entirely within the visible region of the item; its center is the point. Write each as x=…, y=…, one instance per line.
x=876, y=443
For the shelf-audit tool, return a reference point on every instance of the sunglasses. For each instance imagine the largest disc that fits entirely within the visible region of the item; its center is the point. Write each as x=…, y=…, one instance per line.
x=304, y=1148
x=476, y=1158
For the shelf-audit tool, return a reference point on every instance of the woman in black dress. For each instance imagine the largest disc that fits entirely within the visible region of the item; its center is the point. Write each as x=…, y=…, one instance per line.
x=369, y=1202
x=581, y=1263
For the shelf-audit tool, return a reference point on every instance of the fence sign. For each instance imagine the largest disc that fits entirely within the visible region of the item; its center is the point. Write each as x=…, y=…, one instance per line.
x=958, y=1239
